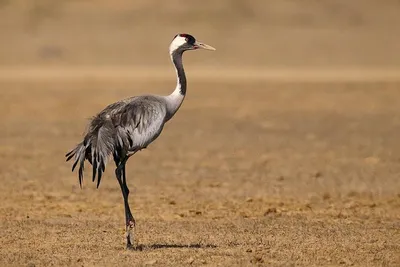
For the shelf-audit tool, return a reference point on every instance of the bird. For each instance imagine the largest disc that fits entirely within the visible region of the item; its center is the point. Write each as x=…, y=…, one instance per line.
x=127, y=126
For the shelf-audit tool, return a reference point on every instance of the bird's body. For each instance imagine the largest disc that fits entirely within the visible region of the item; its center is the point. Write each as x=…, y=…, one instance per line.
x=130, y=125
x=120, y=130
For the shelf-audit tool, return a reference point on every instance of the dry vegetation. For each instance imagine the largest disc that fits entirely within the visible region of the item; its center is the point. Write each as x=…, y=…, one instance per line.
x=249, y=172
x=303, y=174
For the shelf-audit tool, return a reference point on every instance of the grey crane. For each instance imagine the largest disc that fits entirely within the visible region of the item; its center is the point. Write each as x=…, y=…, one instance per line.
x=130, y=125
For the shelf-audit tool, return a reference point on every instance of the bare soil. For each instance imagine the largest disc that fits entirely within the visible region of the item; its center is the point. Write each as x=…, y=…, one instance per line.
x=246, y=174
x=275, y=158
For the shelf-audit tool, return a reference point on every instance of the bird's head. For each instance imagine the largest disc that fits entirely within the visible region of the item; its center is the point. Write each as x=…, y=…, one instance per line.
x=183, y=42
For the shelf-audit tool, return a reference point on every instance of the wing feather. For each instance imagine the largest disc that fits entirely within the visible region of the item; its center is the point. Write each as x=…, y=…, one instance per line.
x=123, y=127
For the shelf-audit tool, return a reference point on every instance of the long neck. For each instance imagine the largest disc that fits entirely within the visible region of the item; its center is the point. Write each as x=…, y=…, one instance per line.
x=174, y=100
x=176, y=58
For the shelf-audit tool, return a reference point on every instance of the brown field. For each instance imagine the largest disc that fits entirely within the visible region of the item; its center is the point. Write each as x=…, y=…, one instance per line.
x=245, y=174
x=286, y=151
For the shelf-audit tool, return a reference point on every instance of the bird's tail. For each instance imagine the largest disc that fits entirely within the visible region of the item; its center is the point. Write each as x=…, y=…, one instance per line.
x=97, y=147
x=79, y=155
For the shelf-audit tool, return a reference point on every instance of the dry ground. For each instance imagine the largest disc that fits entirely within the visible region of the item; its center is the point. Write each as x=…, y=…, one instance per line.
x=257, y=32
x=248, y=172
x=258, y=173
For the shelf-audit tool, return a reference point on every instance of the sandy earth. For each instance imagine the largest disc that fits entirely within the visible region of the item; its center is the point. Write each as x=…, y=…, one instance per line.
x=285, y=153
x=259, y=173
x=246, y=33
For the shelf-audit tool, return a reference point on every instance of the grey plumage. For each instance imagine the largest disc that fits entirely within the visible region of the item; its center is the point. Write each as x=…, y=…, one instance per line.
x=127, y=126
x=120, y=130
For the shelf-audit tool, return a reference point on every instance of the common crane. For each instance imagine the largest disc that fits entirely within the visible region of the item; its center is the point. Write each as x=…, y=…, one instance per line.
x=130, y=125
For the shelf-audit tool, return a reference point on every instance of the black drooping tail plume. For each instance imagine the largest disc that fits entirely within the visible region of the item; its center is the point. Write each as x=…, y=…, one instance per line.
x=96, y=147
x=80, y=154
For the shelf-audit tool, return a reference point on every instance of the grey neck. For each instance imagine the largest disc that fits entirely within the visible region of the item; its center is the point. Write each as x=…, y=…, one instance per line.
x=177, y=60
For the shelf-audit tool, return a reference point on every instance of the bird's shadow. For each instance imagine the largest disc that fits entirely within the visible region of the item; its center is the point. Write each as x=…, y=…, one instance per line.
x=141, y=247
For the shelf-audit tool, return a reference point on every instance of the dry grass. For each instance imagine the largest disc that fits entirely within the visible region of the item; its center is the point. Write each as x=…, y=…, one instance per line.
x=245, y=174
x=249, y=172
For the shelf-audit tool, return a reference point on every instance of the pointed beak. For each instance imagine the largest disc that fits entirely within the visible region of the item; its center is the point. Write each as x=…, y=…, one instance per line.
x=204, y=46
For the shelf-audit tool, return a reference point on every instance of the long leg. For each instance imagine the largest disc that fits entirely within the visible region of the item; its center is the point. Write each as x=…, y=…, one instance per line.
x=130, y=221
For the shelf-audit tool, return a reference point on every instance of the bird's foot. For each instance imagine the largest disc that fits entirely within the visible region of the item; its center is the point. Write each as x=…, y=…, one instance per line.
x=130, y=233
x=134, y=247
x=129, y=246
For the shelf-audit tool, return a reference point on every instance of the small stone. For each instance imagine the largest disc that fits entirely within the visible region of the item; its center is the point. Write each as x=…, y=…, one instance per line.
x=197, y=212
x=249, y=199
x=318, y=174
x=244, y=215
x=190, y=260
x=308, y=206
x=172, y=202
x=270, y=211
x=249, y=250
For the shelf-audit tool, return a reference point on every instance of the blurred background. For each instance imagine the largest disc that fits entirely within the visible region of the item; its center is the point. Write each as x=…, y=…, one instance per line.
x=258, y=33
